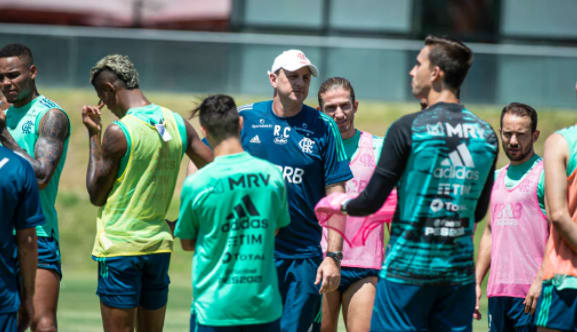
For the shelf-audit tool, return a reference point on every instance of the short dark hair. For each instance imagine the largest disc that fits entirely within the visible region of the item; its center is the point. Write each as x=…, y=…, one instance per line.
x=335, y=82
x=452, y=56
x=18, y=50
x=521, y=109
x=219, y=116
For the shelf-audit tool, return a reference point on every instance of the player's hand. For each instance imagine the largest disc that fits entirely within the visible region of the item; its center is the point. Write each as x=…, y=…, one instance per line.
x=91, y=118
x=330, y=275
x=2, y=120
x=532, y=296
x=25, y=314
x=477, y=313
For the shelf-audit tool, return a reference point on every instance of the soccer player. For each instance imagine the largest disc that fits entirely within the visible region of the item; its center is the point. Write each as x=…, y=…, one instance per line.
x=306, y=145
x=230, y=212
x=131, y=175
x=557, y=306
x=514, y=239
x=442, y=160
x=20, y=210
x=38, y=129
x=360, y=265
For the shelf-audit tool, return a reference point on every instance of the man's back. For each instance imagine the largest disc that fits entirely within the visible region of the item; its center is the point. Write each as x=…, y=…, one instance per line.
x=449, y=153
x=132, y=220
x=232, y=207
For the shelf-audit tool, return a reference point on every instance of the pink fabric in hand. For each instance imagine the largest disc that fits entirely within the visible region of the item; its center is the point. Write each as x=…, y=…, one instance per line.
x=329, y=215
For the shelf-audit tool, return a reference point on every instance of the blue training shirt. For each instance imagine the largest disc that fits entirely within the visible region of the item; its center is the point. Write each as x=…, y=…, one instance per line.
x=19, y=209
x=308, y=149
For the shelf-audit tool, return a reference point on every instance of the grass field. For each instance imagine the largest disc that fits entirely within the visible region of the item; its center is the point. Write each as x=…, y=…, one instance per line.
x=78, y=306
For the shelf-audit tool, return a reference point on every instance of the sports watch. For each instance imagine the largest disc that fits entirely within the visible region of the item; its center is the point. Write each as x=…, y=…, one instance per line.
x=337, y=256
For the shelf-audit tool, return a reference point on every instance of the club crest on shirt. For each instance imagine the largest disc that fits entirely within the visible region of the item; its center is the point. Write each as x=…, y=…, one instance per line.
x=27, y=127
x=306, y=144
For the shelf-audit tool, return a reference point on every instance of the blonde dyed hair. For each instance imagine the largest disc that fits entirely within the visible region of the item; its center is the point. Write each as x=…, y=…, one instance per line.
x=121, y=66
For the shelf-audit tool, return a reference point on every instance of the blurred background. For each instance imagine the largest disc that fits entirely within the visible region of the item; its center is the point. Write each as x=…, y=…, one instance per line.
x=524, y=49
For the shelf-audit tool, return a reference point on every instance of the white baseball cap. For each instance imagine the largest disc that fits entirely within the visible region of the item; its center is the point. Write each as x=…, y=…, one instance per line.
x=293, y=60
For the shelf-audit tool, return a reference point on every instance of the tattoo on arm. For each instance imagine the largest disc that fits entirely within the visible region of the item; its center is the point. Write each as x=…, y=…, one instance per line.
x=53, y=131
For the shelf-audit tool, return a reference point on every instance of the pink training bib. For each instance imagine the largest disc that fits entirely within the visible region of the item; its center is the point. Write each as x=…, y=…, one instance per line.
x=519, y=233
x=363, y=245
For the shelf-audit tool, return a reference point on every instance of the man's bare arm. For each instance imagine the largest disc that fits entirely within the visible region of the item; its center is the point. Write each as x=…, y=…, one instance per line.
x=104, y=157
x=187, y=245
x=53, y=132
x=197, y=151
x=329, y=272
x=334, y=239
x=555, y=160
x=482, y=266
x=28, y=260
x=104, y=162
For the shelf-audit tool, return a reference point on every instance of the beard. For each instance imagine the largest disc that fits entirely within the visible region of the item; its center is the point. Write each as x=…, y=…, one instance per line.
x=519, y=156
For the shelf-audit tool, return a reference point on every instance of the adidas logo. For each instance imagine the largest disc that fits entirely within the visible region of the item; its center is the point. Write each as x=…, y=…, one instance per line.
x=255, y=140
x=243, y=216
x=459, y=157
x=243, y=209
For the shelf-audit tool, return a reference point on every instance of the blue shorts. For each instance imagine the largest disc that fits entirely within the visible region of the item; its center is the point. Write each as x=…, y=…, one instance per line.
x=507, y=314
x=131, y=281
x=406, y=307
x=350, y=275
x=300, y=296
x=8, y=322
x=49, y=254
x=195, y=326
x=557, y=309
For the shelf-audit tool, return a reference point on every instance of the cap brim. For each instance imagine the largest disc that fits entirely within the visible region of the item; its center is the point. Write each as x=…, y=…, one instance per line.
x=313, y=69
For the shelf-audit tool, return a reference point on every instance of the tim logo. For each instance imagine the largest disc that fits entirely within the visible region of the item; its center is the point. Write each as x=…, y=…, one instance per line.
x=306, y=144
x=27, y=127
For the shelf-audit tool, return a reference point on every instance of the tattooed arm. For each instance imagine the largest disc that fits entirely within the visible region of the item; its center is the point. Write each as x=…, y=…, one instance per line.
x=104, y=158
x=197, y=151
x=53, y=130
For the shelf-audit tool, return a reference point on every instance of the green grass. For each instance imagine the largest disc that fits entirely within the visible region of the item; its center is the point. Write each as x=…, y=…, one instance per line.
x=78, y=305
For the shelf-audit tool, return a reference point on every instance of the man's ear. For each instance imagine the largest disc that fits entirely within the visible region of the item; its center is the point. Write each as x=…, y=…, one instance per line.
x=272, y=78
x=203, y=130
x=355, y=106
x=437, y=75
x=33, y=71
x=109, y=87
x=240, y=124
